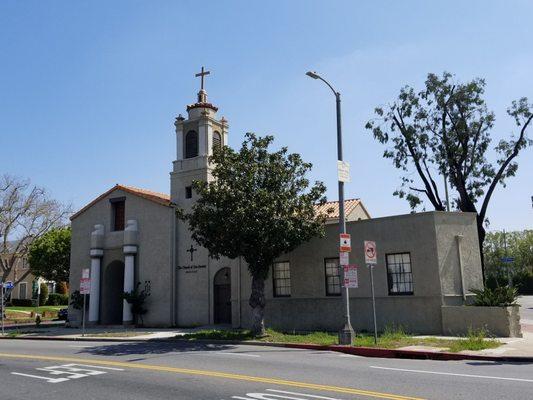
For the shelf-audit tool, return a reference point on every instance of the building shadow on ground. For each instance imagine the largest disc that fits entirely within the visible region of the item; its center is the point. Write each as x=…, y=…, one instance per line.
x=154, y=347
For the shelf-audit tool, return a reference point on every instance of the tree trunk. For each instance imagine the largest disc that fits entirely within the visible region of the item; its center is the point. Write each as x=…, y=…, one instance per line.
x=481, y=233
x=257, y=302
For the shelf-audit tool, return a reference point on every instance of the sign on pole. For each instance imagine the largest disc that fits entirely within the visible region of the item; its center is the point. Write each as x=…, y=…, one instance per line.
x=507, y=260
x=343, y=171
x=345, y=242
x=350, y=276
x=344, y=258
x=85, y=281
x=371, y=254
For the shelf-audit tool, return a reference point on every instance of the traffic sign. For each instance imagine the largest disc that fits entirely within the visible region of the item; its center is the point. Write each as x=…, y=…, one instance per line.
x=85, y=281
x=343, y=171
x=7, y=285
x=344, y=258
x=371, y=254
x=345, y=242
x=507, y=259
x=350, y=276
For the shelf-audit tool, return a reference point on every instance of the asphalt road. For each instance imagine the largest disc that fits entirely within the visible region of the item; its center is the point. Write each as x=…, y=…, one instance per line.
x=98, y=370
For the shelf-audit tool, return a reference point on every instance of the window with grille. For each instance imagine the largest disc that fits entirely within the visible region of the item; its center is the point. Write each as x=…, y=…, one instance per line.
x=281, y=277
x=333, y=279
x=399, y=274
x=191, y=144
x=217, y=141
x=118, y=214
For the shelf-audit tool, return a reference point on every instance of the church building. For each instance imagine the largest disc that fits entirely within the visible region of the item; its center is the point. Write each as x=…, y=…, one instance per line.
x=129, y=236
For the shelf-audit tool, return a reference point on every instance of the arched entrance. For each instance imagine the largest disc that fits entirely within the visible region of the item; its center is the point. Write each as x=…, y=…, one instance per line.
x=112, y=288
x=222, y=296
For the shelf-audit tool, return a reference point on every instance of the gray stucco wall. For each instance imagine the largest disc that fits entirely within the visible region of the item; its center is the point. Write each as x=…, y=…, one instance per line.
x=153, y=260
x=428, y=237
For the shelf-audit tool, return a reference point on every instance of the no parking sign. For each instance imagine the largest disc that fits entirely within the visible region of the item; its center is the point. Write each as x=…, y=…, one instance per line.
x=371, y=254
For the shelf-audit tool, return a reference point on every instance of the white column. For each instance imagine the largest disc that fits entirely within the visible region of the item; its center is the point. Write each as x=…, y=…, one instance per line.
x=96, y=253
x=130, y=249
x=129, y=282
x=94, y=299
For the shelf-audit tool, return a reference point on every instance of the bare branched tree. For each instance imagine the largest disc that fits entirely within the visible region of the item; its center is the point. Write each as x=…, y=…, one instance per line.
x=26, y=213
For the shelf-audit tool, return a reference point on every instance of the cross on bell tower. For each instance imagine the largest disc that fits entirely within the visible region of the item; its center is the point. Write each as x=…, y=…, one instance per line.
x=202, y=94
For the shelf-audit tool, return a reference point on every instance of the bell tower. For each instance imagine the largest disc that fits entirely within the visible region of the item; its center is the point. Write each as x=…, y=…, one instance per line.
x=196, y=137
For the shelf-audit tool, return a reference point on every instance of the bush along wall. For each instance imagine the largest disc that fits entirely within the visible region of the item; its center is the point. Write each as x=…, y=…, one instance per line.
x=57, y=299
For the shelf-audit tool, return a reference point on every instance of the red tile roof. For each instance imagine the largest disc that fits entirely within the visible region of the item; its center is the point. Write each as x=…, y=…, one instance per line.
x=160, y=198
x=331, y=208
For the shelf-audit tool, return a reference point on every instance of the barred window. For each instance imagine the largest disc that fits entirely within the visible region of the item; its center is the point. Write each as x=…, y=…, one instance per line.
x=191, y=144
x=217, y=141
x=399, y=273
x=118, y=207
x=281, y=277
x=333, y=280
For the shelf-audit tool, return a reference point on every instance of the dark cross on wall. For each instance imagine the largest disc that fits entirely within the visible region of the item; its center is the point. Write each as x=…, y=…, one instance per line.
x=192, y=250
x=202, y=74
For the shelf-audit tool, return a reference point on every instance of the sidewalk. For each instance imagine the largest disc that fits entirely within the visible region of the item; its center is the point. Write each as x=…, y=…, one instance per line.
x=512, y=349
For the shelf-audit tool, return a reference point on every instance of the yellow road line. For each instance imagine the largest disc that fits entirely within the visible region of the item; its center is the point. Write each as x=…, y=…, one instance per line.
x=215, y=374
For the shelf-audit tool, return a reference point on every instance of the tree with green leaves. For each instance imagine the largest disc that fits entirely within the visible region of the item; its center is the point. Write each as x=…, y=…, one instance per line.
x=49, y=255
x=258, y=206
x=446, y=129
x=517, y=245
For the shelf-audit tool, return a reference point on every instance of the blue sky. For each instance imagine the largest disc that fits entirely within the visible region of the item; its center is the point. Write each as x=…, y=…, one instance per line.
x=90, y=89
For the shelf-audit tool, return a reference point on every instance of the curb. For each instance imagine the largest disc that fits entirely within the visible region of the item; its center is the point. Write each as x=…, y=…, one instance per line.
x=356, y=351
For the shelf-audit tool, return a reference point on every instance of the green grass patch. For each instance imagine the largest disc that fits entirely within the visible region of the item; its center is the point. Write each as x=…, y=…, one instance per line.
x=392, y=338
x=35, y=309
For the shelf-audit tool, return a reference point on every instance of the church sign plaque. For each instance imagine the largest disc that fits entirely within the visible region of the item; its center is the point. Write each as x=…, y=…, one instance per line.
x=190, y=269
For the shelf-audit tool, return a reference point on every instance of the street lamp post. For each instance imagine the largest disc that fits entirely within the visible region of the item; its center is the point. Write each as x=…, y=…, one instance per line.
x=346, y=333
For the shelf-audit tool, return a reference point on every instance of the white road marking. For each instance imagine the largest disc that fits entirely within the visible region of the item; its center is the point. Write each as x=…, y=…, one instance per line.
x=301, y=394
x=282, y=395
x=47, y=378
x=94, y=366
x=73, y=371
x=454, y=374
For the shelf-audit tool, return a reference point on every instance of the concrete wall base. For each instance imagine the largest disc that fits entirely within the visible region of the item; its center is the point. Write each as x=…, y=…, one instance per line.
x=498, y=321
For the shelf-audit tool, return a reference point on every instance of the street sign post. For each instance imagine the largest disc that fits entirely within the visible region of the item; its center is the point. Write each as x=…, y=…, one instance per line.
x=371, y=259
x=343, y=171
x=85, y=289
x=371, y=255
x=345, y=244
x=350, y=277
x=344, y=258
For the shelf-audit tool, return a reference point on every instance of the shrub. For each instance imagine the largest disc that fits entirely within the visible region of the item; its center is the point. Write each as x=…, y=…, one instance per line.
x=43, y=296
x=76, y=300
x=57, y=299
x=137, y=299
x=498, y=297
x=21, y=302
x=62, y=288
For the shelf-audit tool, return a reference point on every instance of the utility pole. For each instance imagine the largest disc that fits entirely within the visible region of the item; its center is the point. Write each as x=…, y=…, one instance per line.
x=346, y=333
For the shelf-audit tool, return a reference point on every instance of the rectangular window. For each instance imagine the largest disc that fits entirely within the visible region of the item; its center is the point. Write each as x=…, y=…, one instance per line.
x=399, y=274
x=118, y=213
x=333, y=279
x=188, y=192
x=22, y=290
x=281, y=277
